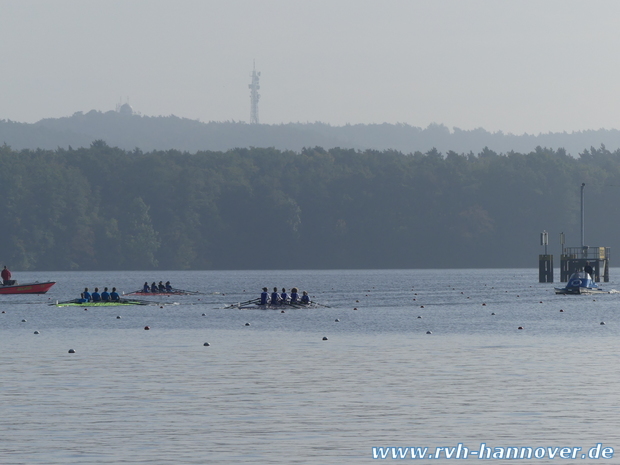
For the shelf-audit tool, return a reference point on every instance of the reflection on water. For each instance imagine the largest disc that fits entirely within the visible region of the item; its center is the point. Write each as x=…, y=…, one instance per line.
x=275, y=392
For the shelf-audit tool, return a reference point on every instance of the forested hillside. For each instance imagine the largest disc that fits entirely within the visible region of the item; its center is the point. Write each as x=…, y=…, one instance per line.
x=147, y=133
x=106, y=208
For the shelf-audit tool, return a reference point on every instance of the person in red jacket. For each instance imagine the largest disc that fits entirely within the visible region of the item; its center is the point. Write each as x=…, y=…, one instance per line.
x=5, y=275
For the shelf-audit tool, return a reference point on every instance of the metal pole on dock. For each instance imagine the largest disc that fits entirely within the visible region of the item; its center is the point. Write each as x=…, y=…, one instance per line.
x=583, y=243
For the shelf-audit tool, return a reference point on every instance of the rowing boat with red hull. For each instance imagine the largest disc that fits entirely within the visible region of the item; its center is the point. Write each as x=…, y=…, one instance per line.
x=28, y=288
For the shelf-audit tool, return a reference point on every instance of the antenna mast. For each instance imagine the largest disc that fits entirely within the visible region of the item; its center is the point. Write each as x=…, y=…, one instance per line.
x=254, y=96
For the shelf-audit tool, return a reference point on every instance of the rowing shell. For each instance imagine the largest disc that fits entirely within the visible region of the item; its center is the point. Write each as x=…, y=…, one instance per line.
x=274, y=307
x=172, y=292
x=80, y=303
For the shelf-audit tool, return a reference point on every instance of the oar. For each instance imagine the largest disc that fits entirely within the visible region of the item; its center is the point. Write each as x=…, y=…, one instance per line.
x=139, y=291
x=140, y=301
x=188, y=292
x=320, y=305
x=240, y=304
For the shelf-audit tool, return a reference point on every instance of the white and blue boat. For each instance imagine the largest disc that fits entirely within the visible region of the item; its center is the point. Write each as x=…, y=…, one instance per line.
x=580, y=283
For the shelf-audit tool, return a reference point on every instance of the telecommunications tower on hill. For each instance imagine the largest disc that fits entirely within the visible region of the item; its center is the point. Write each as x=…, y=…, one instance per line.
x=254, y=96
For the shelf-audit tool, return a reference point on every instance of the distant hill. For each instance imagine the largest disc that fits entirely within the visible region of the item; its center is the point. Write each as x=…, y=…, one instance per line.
x=128, y=131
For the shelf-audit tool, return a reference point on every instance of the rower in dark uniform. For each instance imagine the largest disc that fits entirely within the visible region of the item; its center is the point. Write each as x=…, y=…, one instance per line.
x=105, y=295
x=86, y=297
x=96, y=296
x=114, y=297
x=168, y=286
x=154, y=287
x=283, y=296
x=146, y=289
x=275, y=297
x=294, y=295
x=161, y=287
x=264, y=297
x=305, y=298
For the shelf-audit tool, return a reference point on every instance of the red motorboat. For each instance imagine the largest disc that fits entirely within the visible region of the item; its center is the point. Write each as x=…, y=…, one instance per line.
x=29, y=288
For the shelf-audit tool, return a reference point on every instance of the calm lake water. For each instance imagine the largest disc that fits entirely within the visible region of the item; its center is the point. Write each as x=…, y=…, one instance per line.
x=276, y=392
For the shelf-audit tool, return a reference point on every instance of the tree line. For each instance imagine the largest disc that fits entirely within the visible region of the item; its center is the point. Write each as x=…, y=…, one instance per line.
x=104, y=208
x=171, y=132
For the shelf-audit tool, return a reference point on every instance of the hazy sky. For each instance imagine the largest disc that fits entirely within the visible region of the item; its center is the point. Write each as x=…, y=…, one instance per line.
x=515, y=66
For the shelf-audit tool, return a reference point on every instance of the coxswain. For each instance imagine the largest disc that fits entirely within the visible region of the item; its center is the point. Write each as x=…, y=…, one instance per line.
x=168, y=286
x=86, y=295
x=96, y=296
x=105, y=295
x=264, y=297
x=294, y=295
x=275, y=297
x=114, y=297
x=6, y=276
x=146, y=289
x=154, y=287
x=283, y=296
x=305, y=298
x=161, y=287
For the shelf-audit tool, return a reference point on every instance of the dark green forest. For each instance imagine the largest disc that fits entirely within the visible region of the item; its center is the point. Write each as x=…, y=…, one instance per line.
x=104, y=208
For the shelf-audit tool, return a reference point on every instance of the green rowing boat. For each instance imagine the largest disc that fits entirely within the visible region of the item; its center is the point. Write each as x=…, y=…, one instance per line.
x=80, y=303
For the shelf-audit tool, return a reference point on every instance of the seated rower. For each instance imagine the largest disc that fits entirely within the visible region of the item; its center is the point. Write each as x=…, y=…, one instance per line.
x=305, y=298
x=264, y=297
x=86, y=297
x=96, y=296
x=154, y=287
x=294, y=295
x=146, y=289
x=105, y=295
x=168, y=286
x=114, y=297
x=275, y=297
x=161, y=287
x=283, y=296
